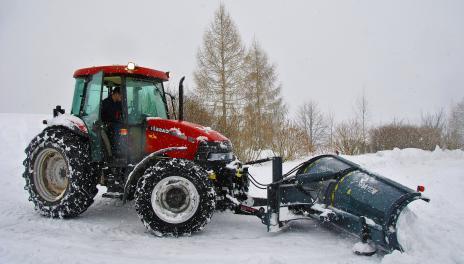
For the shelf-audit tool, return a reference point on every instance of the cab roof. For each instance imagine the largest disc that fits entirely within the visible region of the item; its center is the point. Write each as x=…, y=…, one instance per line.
x=122, y=69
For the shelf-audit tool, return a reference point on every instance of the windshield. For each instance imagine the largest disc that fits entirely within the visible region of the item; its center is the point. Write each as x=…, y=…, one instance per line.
x=144, y=99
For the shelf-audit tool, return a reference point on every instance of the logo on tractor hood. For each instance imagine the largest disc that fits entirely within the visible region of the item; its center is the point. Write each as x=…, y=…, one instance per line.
x=185, y=130
x=173, y=131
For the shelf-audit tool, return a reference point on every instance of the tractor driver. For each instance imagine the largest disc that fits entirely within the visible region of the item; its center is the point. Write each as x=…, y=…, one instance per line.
x=112, y=107
x=111, y=116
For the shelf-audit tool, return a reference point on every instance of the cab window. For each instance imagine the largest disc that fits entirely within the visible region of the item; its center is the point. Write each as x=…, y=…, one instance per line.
x=77, y=99
x=144, y=99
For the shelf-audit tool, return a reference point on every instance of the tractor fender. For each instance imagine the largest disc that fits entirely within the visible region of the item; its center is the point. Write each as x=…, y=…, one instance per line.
x=73, y=123
x=140, y=167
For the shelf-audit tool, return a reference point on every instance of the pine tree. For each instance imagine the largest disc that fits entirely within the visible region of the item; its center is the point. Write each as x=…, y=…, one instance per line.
x=219, y=77
x=262, y=101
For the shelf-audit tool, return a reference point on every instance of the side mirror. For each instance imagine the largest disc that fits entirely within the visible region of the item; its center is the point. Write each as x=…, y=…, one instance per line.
x=181, y=99
x=172, y=98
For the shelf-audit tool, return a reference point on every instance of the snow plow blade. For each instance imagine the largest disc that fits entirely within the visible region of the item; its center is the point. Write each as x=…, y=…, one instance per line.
x=337, y=191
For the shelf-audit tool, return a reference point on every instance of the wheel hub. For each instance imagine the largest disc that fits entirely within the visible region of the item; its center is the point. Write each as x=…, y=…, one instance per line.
x=175, y=199
x=50, y=174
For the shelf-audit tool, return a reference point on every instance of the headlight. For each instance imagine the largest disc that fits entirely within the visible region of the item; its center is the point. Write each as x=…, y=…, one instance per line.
x=220, y=156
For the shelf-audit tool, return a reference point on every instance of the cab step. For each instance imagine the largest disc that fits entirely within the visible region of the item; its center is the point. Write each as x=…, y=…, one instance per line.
x=113, y=195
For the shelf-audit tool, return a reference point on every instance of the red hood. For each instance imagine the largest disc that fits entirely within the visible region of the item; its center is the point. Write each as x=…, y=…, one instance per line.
x=165, y=133
x=190, y=130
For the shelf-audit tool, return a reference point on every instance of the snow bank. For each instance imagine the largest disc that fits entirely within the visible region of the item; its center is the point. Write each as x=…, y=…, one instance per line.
x=110, y=232
x=430, y=232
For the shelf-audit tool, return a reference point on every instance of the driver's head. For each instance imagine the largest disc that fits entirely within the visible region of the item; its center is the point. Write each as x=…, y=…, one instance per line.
x=116, y=94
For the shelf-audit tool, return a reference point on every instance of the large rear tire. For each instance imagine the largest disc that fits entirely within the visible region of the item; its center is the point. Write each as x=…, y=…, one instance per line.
x=57, y=173
x=174, y=198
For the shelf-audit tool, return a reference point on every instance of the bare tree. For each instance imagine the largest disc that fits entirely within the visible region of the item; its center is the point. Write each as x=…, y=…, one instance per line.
x=434, y=124
x=362, y=108
x=436, y=120
x=348, y=137
x=219, y=76
x=287, y=140
x=455, y=128
x=311, y=121
x=330, y=132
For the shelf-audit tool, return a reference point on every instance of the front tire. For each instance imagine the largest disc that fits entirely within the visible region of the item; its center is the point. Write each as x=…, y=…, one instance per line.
x=57, y=173
x=174, y=198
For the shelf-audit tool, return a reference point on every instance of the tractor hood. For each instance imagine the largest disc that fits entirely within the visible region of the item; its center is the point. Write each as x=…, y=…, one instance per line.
x=183, y=129
x=165, y=133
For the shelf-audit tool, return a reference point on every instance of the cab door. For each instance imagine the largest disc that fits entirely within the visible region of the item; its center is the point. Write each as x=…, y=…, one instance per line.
x=90, y=113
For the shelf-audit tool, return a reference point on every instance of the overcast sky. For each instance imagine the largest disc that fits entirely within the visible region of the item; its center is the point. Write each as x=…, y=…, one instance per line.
x=407, y=56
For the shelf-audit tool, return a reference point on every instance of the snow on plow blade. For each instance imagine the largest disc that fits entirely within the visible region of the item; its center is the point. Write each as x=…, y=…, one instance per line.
x=335, y=190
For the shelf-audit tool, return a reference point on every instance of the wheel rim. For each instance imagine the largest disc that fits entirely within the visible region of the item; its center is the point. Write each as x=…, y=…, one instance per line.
x=175, y=199
x=50, y=174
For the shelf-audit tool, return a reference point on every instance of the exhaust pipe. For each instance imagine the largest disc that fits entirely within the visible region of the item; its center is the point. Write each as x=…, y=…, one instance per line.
x=181, y=98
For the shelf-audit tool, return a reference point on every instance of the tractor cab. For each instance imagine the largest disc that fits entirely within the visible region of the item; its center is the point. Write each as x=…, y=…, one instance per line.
x=141, y=130
x=143, y=96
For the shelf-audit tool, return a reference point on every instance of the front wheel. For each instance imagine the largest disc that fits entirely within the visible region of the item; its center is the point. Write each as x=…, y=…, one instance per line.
x=174, y=198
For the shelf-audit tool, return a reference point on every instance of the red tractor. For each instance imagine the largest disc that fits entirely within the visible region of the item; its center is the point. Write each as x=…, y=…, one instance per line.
x=178, y=172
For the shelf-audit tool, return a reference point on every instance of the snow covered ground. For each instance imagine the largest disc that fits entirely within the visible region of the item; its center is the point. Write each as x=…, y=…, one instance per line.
x=110, y=232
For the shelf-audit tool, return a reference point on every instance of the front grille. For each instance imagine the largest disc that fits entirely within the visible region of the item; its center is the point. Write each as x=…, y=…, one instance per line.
x=207, y=147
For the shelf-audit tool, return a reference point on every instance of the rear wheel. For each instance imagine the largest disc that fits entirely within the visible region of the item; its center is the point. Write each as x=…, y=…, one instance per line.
x=57, y=173
x=174, y=198
x=50, y=174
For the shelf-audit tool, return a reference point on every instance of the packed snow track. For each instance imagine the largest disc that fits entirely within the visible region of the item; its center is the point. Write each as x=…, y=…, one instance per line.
x=110, y=232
